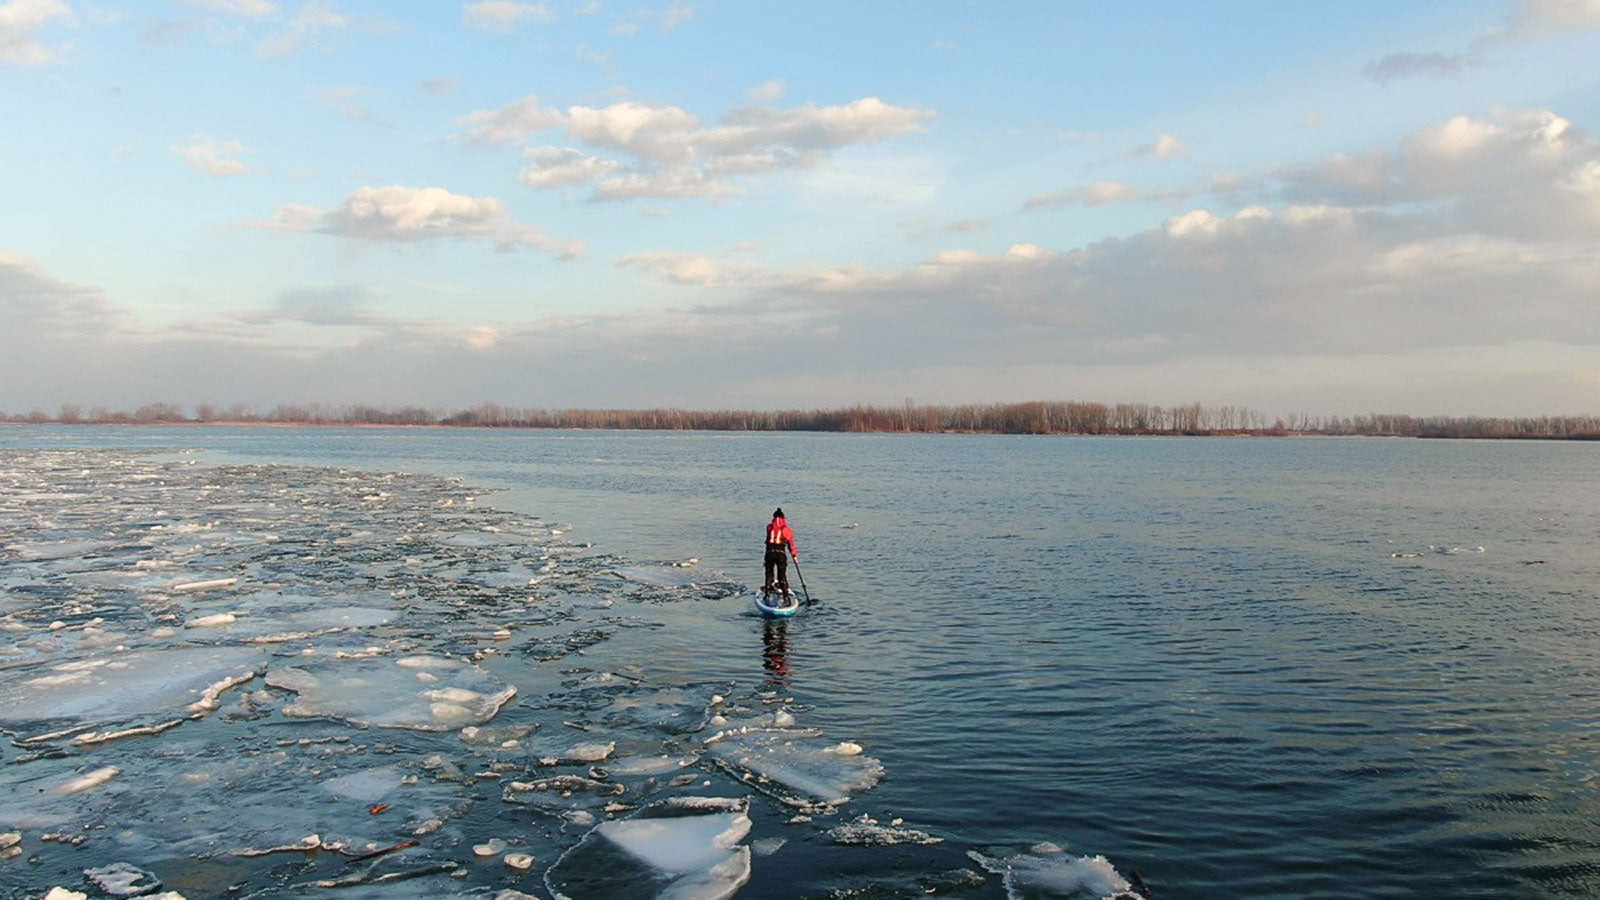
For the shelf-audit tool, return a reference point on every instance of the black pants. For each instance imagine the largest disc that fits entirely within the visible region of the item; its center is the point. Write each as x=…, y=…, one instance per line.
x=777, y=559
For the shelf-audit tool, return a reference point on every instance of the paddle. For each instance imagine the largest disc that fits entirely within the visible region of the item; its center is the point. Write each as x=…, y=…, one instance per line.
x=803, y=587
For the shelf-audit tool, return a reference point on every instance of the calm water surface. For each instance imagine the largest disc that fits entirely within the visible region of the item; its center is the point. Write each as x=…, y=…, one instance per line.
x=1257, y=667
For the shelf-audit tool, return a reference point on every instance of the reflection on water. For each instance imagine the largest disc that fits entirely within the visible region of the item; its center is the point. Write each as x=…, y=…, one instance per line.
x=775, y=651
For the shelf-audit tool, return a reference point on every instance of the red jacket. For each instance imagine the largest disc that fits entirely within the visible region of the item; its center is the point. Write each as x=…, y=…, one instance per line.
x=779, y=535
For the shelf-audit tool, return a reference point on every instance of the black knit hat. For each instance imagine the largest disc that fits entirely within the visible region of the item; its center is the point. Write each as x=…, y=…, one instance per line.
x=777, y=513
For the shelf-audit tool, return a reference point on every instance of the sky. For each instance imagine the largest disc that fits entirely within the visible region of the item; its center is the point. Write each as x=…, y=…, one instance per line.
x=1300, y=208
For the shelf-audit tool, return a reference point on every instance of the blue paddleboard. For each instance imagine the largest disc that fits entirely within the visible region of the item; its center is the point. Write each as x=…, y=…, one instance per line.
x=766, y=610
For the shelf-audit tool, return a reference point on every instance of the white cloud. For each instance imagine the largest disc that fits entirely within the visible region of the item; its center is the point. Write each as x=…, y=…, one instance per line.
x=1101, y=193
x=1534, y=20
x=505, y=15
x=400, y=213
x=677, y=13
x=701, y=271
x=210, y=156
x=553, y=167
x=1166, y=146
x=1518, y=173
x=34, y=305
x=1543, y=17
x=19, y=19
x=511, y=123
x=253, y=9
x=307, y=22
x=671, y=154
x=1104, y=193
x=767, y=91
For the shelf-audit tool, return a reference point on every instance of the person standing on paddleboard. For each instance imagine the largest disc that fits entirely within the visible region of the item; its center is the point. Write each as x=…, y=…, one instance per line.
x=779, y=539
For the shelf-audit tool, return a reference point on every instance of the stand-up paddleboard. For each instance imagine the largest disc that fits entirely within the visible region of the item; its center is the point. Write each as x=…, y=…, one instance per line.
x=774, y=606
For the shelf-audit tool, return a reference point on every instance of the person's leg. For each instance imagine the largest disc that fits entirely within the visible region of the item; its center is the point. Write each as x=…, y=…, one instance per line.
x=769, y=565
x=783, y=574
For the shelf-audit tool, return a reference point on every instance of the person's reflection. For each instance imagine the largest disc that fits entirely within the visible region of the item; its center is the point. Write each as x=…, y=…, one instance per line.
x=775, y=651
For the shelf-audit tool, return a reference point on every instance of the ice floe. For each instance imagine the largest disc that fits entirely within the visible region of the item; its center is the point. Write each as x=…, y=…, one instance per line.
x=683, y=847
x=129, y=684
x=1047, y=870
x=428, y=693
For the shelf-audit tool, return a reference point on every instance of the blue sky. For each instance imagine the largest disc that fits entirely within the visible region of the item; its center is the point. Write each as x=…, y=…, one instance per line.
x=1323, y=208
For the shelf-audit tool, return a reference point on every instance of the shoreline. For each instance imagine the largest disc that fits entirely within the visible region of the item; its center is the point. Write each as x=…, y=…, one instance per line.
x=450, y=426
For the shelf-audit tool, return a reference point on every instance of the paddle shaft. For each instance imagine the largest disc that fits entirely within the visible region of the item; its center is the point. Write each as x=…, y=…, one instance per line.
x=802, y=575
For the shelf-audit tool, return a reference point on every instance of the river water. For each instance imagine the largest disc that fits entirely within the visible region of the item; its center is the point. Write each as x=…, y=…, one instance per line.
x=1240, y=667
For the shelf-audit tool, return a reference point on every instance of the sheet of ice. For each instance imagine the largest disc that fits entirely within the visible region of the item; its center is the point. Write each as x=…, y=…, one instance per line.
x=678, y=848
x=367, y=785
x=427, y=693
x=118, y=686
x=865, y=831
x=1048, y=871
x=808, y=767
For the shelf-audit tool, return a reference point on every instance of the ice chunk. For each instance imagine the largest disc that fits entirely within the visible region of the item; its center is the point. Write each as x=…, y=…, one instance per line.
x=129, y=684
x=394, y=693
x=366, y=786
x=866, y=831
x=121, y=879
x=90, y=780
x=804, y=766
x=677, y=848
x=1047, y=871
x=192, y=587
x=213, y=621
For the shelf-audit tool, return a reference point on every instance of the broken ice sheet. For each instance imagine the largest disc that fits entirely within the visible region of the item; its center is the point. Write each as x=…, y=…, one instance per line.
x=681, y=847
x=426, y=693
x=118, y=686
x=801, y=767
x=1046, y=870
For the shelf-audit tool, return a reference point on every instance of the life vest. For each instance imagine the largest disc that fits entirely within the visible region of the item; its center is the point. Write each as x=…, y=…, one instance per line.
x=775, y=532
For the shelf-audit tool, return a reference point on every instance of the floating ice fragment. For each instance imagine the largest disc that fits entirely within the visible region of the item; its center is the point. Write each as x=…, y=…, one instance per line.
x=101, y=737
x=10, y=839
x=61, y=893
x=522, y=862
x=492, y=847
x=803, y=766
x=865, y=831
x=89, y=780
x=377, y=692
x=845, y=748
x=307, y=843
x=580, y=753
x=366, y=786
x=121, y=879
x=677, y=848
x=768, y=846
x=191, y=587
x=130, y=684
x=1054, y=873
x=213, y=621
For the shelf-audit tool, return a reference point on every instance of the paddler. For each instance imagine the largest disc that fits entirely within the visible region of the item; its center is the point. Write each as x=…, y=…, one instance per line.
x=779, y=539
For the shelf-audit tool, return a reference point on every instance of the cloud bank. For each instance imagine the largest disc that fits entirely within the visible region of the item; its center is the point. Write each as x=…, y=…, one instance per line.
x=400, y=213
x=1458, y=261
x=665, y=151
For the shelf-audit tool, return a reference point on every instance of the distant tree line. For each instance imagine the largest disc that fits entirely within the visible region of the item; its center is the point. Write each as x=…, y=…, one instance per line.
x=1036, y=417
